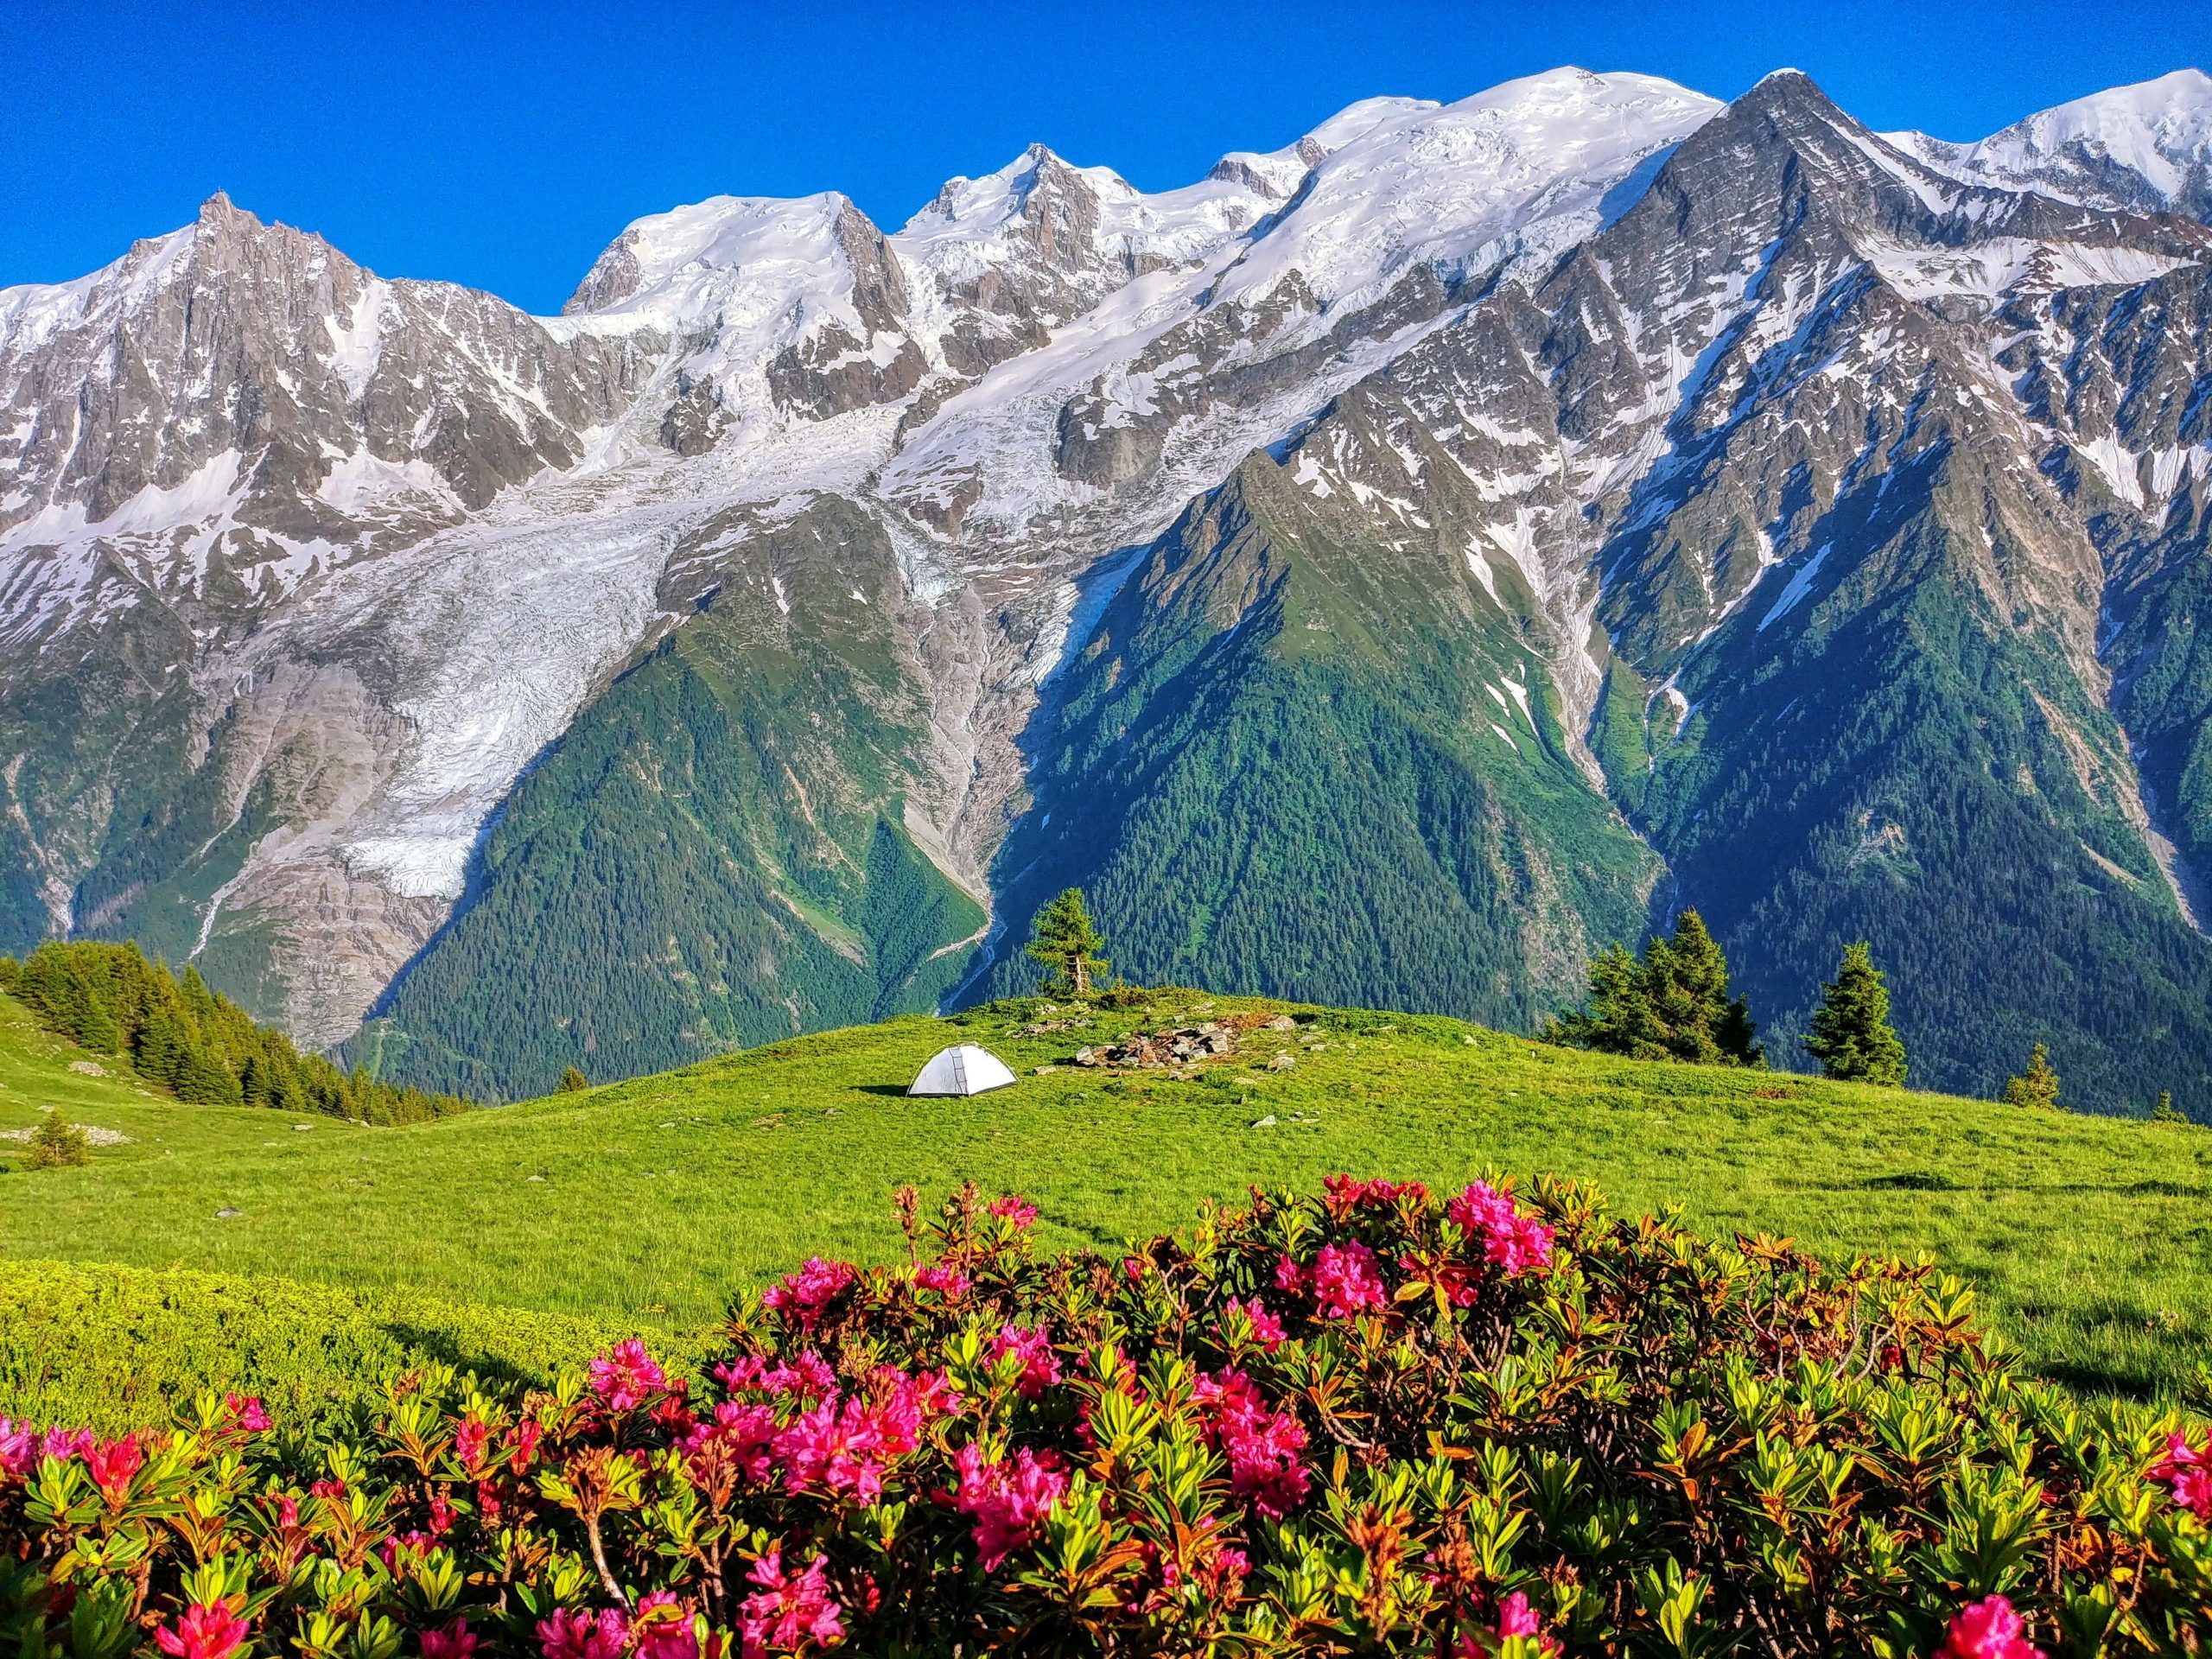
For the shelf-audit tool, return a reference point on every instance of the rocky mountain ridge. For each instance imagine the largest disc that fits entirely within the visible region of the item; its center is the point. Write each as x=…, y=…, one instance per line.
x=1590, y=385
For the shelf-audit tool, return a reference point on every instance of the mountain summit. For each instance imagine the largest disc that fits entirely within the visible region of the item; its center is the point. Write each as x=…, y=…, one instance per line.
x=1382, y=569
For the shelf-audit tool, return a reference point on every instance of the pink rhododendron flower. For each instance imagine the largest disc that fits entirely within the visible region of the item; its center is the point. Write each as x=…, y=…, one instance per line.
x=522, y=1443
x=805, y=1375
x=1988, y=1629
x=1343, y=1193
x=19, y=1443
x=415, y=1545
x=804, y=1295
x=1007, y=1500
x=740, y=1431
x=2188, y=1471
x=112, y=1464
x=1289, y=1276
x=206, y=1630
x=842, y=1447
x=457, y=1640
x=572, y=1635
x=624, y=1375
x=471, y=1439
x=63, y=1444
x=950, y=1282
x=1514, y=1242
x=1267, y=1329
x=1016, y=1209
x=1040, y=1366
x=789, y=1613
x=1345, y=1279
x=660, y=1629
x=1515, y=1617
x=1261, y=1444
x=245, y=1412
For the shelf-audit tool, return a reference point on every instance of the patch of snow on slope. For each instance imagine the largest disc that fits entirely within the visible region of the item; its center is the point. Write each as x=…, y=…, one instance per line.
x=2115, y=463
x=356, y=348
x=362, y=480
x=1992, y=268
x=1800, y=584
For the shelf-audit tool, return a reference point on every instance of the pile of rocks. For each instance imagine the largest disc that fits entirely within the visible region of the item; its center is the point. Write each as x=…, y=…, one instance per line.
x=1181, y=1045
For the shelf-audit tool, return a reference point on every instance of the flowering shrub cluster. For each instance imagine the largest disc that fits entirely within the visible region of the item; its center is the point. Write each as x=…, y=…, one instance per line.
x=1487, y=1423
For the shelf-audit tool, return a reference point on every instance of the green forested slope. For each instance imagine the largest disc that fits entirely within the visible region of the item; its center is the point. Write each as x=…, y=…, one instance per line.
x=132, y=1014
x=1892, y=760
x=713, y=857
x=1285, y=764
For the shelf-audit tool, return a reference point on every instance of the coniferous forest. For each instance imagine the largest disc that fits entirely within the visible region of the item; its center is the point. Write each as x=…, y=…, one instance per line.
x=195, y=1042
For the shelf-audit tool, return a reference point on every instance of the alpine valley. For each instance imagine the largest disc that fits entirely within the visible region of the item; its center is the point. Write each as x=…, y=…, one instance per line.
x=1382, y=571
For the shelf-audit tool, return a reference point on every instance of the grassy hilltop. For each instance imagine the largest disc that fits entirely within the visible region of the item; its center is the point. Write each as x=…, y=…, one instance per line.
x=645, y=1203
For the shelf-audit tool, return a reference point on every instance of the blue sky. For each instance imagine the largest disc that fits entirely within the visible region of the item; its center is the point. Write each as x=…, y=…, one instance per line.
x=503, y=145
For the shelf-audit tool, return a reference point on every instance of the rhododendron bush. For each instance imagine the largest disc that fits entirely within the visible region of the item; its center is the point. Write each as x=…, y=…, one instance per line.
x=1372, y=1419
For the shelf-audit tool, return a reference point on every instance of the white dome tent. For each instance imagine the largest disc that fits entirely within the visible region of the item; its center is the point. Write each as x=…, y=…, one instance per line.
x=964, y=1070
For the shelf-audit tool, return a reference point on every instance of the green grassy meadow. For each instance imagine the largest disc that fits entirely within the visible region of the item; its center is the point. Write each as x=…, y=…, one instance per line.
x=643, y=1204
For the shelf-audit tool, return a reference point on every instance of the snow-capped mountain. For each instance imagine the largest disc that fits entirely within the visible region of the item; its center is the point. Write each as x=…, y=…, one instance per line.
x=2141, y=147
x=735, y=652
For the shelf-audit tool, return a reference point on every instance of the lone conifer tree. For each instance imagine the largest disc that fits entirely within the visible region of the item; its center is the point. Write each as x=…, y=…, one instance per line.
x=2037, y=1085
x=1067, y=942
x=1672, y=1004
x=2165, y=1111
x=56, y=1144
x=574, y=1081
x=1850, y=1035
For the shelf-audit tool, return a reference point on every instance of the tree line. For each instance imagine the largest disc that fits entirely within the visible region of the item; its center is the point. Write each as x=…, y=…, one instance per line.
x=195, y=1042
x=1673, y=1001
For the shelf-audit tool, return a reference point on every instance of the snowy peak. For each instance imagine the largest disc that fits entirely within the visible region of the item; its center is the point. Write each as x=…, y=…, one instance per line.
x=249, y=374
x=675, y=269
x=1044, y=241
x=1515, y=173
x=2146, y=147
x=1277, y=174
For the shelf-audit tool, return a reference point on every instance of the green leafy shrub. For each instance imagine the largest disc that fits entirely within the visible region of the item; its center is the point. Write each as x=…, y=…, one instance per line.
x=1362, y=1421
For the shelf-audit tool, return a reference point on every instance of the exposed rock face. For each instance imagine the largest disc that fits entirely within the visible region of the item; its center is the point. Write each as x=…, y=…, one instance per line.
x=235, y=358
x=1645, y=423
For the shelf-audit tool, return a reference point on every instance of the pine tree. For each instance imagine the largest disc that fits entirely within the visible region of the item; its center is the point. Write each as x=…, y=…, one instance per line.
x=1067, y=942
x=1689, y=989
x=1850, y=1036
x=2037, y=1085
x=203, y=1080
x=56, y=1144
x=2165, y=1111
x=1672, y=1004
x=1619, y=1019
x=574, y=1081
